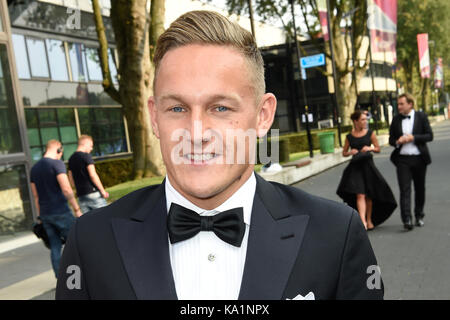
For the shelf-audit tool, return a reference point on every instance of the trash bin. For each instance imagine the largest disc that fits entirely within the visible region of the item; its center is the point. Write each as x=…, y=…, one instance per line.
x=326, y=141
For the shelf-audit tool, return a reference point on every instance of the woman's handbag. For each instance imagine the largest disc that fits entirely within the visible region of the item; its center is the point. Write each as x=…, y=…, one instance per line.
x=361, y=156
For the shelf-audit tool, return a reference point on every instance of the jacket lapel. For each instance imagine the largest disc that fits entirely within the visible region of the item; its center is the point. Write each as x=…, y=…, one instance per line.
x=400, y=127
x=143, y=244
x=273, y=246
x=416, y=122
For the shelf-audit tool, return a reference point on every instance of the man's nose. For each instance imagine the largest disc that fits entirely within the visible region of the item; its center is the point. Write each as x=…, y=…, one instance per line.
x=199, y=127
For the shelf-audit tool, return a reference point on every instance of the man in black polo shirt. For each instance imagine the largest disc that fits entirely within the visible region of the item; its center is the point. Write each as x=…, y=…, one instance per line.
x=82, y=174
x=51, y=191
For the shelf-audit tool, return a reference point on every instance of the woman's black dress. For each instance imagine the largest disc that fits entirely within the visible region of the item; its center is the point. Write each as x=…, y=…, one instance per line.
x=362, y=177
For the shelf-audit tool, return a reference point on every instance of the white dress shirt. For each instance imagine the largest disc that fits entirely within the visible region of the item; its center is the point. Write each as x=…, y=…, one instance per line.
x=204, y=267
x=410, y=148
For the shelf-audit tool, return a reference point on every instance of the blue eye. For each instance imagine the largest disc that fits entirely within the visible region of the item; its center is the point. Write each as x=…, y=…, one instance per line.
x=221, y=108
x=177, y=109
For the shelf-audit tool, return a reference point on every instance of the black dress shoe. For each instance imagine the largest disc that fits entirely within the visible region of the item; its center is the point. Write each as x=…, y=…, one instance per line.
x=419, y=223
x=408, y=225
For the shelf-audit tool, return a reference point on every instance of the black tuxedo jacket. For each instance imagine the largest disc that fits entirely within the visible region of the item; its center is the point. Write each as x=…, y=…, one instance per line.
x=421, y=131
x=298, y=243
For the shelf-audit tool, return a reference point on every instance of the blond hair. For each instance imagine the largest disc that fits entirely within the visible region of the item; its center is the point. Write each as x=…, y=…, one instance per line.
x=84, y=137
x=211, y=28
x=53, y=143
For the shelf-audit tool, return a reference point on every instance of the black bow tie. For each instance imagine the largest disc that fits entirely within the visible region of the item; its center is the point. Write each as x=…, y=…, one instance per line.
x=405, y=117
x=183, y=224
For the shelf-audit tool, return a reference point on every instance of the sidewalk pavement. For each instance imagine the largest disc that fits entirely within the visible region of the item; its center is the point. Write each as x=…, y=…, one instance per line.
x=41, y=286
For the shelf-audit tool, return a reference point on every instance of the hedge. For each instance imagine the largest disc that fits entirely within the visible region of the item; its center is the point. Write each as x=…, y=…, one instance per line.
x=114, y=171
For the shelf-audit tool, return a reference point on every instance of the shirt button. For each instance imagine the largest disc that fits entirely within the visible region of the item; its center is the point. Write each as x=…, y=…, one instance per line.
x=211, y=257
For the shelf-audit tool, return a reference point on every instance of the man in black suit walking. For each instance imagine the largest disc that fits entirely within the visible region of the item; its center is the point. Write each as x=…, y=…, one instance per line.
x=214, y=229
x=409, y=132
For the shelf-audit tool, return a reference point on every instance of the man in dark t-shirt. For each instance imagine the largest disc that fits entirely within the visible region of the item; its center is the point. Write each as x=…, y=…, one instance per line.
x=83, y=176
x=51, y=190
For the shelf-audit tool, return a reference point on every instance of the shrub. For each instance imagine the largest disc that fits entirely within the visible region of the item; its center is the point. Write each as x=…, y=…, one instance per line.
x=114, y=171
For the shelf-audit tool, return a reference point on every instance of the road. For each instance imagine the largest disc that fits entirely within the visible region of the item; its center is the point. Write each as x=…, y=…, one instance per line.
x=414, y=264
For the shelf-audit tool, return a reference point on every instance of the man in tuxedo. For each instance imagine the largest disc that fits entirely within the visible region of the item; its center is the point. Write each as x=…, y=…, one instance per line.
x=409, y=133
x=214, y=229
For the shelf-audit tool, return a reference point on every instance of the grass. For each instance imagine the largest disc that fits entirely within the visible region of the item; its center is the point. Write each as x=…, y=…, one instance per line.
x=119, y=190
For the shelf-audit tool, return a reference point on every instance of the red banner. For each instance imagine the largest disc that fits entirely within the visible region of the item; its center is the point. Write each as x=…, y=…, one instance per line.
x=424, y=55
x=322, y=8
x=382, y=24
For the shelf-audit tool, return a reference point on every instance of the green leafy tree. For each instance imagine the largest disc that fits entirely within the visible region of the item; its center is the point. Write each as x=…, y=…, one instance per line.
x=421, y=16
x=279, y=10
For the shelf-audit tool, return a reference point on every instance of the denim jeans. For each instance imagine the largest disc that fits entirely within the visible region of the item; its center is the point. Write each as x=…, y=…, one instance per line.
x=57, y=227
x=91, y=201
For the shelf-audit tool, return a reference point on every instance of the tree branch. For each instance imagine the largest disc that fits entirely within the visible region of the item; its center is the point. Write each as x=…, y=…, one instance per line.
x=107, y=82
x=157, y=12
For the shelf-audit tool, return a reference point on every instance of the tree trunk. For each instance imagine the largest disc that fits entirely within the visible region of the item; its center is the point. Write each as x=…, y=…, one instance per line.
x=157, y=13
x=131, y=23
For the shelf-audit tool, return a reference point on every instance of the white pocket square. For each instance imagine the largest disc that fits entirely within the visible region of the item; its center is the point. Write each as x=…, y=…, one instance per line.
x=309, y=296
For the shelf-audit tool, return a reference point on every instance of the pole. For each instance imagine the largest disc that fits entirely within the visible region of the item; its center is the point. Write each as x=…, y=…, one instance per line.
x=387, y=93
x=336, y=107
x=373, y=83
x=252, y=23
x=305, y=102
x=354, y=66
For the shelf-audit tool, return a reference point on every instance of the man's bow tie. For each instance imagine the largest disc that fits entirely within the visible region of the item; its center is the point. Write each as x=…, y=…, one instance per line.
x=183, y=224
x=405, y=117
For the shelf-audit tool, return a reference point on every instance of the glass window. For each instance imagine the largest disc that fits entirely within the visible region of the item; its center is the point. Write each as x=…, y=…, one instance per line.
x=93, y=64
x=47, y=124
x=31, y=118
x=20, y=53
x=49, y=134
x=68, y=134
x=76, y=51
x=66, y=116
x=112, y=66
x=47, y=117
x=38, y=58
x=106, y=127
x=33, y=137
x=10, y=141
x=15, y=205
x=106, y=4
x=36, y=153
x=69, y=149
x=57, y=60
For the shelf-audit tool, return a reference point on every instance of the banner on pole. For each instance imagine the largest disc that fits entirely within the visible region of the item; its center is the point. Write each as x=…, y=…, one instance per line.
x=382, y=24
x=438, y=74
x=322, y=8
x=424, y=55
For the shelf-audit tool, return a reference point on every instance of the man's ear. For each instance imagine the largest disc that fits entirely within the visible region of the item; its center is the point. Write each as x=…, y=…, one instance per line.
x=266, y=114
x=152, y=110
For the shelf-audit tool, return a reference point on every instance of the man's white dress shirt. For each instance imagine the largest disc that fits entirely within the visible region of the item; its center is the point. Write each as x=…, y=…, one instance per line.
x=410, y=148
x=204, y=267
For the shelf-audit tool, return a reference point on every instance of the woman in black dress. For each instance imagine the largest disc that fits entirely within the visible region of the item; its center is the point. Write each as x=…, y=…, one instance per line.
x=362, y=186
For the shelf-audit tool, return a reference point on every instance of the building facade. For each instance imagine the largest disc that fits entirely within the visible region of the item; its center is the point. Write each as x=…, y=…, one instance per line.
x=15, y=200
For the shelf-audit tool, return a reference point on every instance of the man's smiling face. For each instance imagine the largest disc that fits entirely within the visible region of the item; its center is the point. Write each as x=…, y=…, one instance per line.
x=206, y=92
